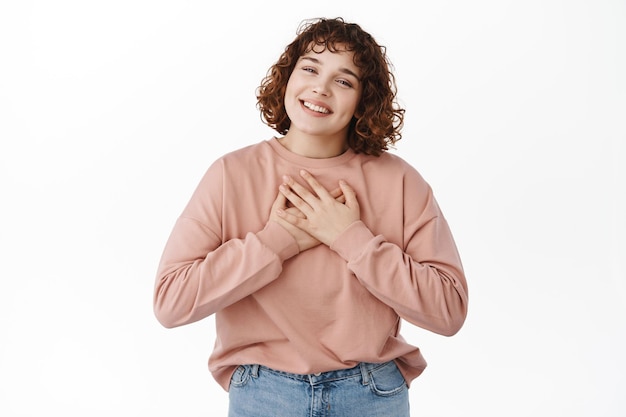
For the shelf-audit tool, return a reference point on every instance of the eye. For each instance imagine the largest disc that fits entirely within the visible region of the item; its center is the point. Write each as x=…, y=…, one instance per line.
x=345, y=83
x=309, y=69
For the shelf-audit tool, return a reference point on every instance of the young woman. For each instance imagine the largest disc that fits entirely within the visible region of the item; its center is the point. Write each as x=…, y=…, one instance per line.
x=311, y=247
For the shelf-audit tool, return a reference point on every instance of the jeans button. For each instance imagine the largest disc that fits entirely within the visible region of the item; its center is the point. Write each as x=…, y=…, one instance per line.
x=317, y=374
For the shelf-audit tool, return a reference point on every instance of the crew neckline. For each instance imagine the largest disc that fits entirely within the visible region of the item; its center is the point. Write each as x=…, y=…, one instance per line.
x=306, y=161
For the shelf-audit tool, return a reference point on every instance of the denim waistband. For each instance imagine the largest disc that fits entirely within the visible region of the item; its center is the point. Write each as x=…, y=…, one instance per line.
x=361, y=370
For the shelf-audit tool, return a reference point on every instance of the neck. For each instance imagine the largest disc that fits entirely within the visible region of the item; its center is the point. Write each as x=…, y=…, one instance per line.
x=317, y=147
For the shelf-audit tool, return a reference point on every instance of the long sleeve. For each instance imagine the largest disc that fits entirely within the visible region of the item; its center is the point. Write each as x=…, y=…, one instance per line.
x=422, y=279
x=201, y=272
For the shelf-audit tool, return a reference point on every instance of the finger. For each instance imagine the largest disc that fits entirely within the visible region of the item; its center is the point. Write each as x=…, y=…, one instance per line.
x=294, y=198
x=280, y=202
x=305, y=194
x=337, y=194
x=295, y=211
x=350, y=194
x=321, y=192
x=297, y=188
x=291, y=218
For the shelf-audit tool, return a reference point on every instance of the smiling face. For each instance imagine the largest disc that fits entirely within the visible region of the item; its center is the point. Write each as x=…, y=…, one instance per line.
x=322, y=96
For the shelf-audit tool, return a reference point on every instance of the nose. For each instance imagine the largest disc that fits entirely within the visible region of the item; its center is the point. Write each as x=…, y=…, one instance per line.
x=321, y=88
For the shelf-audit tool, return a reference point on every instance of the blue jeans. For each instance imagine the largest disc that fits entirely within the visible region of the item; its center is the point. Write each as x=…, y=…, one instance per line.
x=367, y=390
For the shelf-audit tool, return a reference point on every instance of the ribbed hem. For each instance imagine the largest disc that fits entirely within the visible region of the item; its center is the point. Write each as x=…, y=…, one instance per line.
x=349, y=245
x=279, y=240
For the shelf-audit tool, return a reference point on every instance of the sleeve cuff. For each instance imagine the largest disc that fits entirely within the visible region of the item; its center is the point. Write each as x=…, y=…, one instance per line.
x=351, y=243
x=278, y=240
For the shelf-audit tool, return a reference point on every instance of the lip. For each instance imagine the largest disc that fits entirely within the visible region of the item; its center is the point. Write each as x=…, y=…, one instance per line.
x=316, y=103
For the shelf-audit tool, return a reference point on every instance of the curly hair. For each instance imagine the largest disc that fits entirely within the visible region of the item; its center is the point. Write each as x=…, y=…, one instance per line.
x=378, y=118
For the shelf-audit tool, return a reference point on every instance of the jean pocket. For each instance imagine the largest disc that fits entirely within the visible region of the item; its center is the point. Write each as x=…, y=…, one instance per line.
x=241, y=376
x=387, y=380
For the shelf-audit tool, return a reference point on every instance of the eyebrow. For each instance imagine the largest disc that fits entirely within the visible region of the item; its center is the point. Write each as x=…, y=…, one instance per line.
x=342, y=69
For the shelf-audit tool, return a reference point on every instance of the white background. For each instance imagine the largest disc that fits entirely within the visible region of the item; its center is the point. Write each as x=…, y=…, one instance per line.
x=110, y=112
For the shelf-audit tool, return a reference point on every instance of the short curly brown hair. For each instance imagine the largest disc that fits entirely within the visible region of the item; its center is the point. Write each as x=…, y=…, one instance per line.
x=378, y=119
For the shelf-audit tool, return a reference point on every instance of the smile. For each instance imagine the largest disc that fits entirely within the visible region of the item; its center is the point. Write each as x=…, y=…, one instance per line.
x=315, y=108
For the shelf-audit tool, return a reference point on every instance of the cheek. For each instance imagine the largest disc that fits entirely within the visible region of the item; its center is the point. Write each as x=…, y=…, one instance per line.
x=290, y=103
x=293, y=84
x=291, y=92
x=354, y=106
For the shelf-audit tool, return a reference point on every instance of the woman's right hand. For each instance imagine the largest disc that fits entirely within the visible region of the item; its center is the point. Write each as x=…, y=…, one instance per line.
x=304, y=240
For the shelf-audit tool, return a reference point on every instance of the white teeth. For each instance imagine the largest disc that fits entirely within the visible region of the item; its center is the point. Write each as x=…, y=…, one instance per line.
x=318, y=109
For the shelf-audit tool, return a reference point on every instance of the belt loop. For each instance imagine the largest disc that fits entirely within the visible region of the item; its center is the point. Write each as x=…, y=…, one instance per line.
x=254, y=370
x=364, y=373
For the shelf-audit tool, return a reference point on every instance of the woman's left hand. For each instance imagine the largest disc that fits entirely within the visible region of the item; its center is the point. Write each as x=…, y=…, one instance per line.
x=325, y=218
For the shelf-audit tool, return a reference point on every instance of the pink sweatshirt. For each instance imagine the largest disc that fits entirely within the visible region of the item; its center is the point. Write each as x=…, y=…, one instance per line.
x=325, y=308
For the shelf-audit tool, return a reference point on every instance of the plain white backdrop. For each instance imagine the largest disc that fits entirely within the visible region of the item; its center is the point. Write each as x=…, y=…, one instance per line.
x=110, y=112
